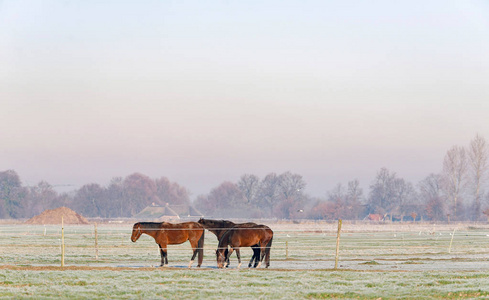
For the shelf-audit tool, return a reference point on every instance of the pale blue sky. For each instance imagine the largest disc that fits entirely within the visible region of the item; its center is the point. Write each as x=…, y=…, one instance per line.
x=205, y=91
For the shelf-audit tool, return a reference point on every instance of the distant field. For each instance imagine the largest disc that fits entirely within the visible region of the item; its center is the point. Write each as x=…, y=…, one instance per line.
x=376, y=260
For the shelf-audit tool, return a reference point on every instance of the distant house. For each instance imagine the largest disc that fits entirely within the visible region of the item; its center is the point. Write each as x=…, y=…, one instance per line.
x=168, y=212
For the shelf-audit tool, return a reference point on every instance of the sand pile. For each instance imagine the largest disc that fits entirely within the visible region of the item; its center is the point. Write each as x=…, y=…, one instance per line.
x=53, y=216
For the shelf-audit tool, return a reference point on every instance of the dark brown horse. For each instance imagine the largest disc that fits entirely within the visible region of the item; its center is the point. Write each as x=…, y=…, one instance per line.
x=166, y=233
x=245, y=237
x=219, y=227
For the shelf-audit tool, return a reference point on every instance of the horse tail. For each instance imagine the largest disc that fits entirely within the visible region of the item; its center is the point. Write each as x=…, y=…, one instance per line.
x=200, y=246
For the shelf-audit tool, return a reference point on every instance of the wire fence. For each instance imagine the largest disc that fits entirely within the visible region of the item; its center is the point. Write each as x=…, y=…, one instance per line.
x=294, y=246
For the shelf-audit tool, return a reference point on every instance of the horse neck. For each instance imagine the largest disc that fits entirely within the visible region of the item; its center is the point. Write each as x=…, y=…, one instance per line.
x=224, y=239
x=150, y=229
x=219, y=228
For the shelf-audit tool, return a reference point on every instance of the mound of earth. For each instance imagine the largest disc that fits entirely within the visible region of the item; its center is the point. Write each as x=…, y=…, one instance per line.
x=53, y=216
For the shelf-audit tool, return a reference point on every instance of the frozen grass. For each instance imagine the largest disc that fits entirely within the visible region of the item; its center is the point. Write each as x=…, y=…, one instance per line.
x=402, y=262
x=227, y=284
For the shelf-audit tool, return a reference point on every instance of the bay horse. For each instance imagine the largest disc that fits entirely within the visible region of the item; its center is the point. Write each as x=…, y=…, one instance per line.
x=219, y=227
x=245, y=237
x=166, y=233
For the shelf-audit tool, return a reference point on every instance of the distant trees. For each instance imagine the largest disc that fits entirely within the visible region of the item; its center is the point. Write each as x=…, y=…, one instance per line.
x=124, y=197
x=11, y=194
x=478, y=153
x=89, y=200
x=458, y=192
x=341, y=203
x=430, y=193
x=454, y=174
x=275, y=196
x=39, y=198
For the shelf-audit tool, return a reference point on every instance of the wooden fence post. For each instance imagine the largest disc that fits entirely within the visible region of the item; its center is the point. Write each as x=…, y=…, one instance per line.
x=62, y=243
x=96, y=242
x=337, y=245
x=286, y=250
x=451, y=241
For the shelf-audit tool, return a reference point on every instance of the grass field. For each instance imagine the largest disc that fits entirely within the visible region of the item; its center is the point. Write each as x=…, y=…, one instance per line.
x=389, y=261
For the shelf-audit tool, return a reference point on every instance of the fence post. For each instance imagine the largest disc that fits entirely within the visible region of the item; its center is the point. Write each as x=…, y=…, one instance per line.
x=96, y=242
x=451, y=240
x=62, y=243
x=286, y=250
x=337, y=245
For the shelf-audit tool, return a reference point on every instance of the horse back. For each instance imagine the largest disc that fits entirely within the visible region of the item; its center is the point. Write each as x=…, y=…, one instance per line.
x=179, y=233
x=244, y=237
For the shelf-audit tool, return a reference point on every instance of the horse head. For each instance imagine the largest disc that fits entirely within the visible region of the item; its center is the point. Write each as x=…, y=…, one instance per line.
x=136, y=232
x=220, y=258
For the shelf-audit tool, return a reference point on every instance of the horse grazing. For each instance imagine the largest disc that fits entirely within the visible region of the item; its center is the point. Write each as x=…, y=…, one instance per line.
x=219, y=227
x=166, y=233
x=245, y=237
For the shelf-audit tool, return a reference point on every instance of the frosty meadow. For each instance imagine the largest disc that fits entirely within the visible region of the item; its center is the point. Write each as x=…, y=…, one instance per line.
x=376, y=260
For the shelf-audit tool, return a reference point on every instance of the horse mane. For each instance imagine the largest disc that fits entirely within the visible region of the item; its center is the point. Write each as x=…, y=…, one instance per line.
x=150, y=225
x=226, y=223
x=217, y=223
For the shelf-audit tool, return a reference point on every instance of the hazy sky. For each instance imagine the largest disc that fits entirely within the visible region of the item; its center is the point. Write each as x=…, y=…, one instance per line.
x=205, y=91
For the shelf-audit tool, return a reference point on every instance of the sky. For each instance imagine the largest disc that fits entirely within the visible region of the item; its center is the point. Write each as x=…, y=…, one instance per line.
x=202, y=92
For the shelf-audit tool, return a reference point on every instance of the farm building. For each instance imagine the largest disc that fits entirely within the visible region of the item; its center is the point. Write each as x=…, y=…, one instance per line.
x=168, y=212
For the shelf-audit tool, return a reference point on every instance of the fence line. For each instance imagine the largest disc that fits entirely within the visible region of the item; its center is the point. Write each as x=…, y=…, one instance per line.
x=27, y=244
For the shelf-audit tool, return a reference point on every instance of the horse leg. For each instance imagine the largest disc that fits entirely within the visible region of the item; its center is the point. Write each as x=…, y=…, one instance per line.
x=192, y=259
x=200, y=248
x=164, y=256
x=255, y=257
x=239, y=258
x=267, y=253
x=262, y=254
x=228, y=261
x=193, y=256
x=227, y=257
x=252, y=259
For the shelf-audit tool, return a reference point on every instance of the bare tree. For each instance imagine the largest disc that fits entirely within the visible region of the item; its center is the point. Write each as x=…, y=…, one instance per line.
x=224, y=201
x=90, y=200
x=291, y=197
x=405, y=197
x=139, y=192
x=337, y=198
x=430, y=191
x=249, y=185
x=454, y=174
x=291, y=184
x=478, y=169
x=171, y=192
x=382, y=197
x=115, y=198
x=269, y=192
x=354, y=199
x=40, y=197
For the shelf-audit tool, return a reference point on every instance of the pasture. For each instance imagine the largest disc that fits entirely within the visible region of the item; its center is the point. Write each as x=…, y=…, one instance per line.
x=375, y=261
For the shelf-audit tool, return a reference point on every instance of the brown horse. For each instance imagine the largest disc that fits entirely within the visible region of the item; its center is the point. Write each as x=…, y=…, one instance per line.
x=166, y=233
x=245, y=237
x=219, y=227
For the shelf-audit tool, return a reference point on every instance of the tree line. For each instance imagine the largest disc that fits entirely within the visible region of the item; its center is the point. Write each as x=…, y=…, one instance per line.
x=455, y=193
